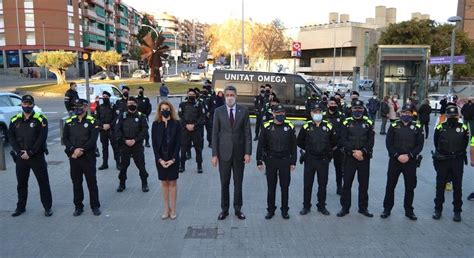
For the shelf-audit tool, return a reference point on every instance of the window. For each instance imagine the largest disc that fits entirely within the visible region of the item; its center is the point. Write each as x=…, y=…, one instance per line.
x=305, y=62
x=15, y=100
x=301, y=92
x=29, y=17
x=13, y=59
x=69, y=2
x=116, y=92
x=30, y=36
x=71, y=37
x=29, y=58
x=69, y=19
x=4, y=101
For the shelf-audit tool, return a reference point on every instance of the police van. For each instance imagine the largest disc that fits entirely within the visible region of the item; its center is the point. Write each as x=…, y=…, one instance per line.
x=291, y=89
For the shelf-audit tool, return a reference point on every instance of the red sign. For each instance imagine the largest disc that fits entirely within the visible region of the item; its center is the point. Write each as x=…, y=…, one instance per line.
x=296, y=49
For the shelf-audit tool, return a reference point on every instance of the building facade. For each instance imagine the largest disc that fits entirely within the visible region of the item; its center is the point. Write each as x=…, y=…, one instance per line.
x=30, y=26
x=466, y=12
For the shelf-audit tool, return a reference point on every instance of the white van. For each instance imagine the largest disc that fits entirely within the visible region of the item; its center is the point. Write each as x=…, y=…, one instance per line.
x=95, y=90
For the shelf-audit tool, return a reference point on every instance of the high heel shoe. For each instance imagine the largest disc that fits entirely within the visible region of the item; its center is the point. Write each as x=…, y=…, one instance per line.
x=166, y=215
x=173, y=215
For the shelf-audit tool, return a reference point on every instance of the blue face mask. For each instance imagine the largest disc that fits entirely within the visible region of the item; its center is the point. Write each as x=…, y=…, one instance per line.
x=280, y=118
x=165, y=113
x=27, y=110
x=78, y=111
x=406, y=118
x=317, y=117
x=357, y=114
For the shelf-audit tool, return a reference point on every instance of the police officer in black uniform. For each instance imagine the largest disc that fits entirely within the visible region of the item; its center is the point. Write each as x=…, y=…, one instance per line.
x=206, y=100
x=144, y=106
x=80, y=138
x=191, y=113
x=106, y=118
x=404, y=143
x=267, y=113
x=450, y=139
x=27, y=133
x=334, y=116
x=277, y=149
x=318, y=139
x=259, y=103
x=70, y=96
x=357, y=140
x=121, y=104
x=347, y=108
x=131, y=130
x=309, y=103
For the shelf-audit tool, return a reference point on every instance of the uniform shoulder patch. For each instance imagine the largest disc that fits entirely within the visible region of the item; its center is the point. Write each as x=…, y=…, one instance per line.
x=267, y=124
x=464, y=126
x=328, y=124
x=15, y=117
x=289, y=123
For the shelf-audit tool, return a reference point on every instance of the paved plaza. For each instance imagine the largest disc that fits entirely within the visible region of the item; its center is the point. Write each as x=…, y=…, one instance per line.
x=131, y=225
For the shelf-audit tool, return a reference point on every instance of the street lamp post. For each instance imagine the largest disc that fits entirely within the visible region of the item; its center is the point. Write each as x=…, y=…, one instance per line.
x=243, y=55
x=334, y=57
x=455, y=20
x=44, y=50
x=176, y=53
x=340, y=70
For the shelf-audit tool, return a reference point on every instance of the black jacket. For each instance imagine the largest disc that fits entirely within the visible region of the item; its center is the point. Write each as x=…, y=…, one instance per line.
x=29, y=134
x=80, y=134
x=424, y=113
x=69, y=98
x=144, y=105
x=467, y=111
x=174, y=139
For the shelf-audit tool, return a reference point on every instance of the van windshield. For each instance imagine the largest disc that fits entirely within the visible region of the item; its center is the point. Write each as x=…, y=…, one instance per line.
x=314, y=87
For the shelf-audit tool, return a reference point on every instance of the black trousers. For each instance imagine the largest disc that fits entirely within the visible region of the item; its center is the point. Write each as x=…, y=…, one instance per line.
x=147, y=138
x=209, y=130
x=105, y=138
x=137, y=152
x=426, y=126
x=196, y=139
x=351, y=166
x=446, y=170
x=278, y=169
x=395, y=168
x=38, y=164
x=84, y=166
x=320, y=168
x=227, y=169
x=338, y=167
x=258, y=124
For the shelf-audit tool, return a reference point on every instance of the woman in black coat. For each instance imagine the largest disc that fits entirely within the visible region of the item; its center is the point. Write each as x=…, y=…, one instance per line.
x=424, y=116
x=166, y=141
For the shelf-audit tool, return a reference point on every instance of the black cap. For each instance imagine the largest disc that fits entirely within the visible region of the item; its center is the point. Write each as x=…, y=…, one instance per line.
x=28, y=98
x=355, y=93
x=125, y=88
x=316, y=106
x=141, y=88
x=106, y=93
x=452, y=110
x=80, y=102
x=191, y=90
x=278, y=108
x=357, y=103
x=407, y=107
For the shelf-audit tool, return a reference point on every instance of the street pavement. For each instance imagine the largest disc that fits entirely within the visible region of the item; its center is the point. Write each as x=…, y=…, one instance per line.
x=131, y=225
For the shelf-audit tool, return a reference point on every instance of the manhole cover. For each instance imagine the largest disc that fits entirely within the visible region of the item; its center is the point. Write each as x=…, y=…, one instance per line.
x=54, y=163
x=201, y=233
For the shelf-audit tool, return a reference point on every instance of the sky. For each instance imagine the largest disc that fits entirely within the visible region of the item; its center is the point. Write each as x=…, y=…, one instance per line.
x=294, y=13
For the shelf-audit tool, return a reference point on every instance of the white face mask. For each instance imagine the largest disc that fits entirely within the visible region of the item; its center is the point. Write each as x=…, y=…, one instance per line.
x=317, y=117
x=230, y=101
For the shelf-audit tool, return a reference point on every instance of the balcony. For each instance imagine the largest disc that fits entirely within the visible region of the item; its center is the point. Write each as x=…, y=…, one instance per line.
x=123, y=39
x=98, y=2
x=109, y=7
x=95, y=46
x=92, y=14
x=111, y=36
x=95, y=30
x=110, y=21
x=122, y=27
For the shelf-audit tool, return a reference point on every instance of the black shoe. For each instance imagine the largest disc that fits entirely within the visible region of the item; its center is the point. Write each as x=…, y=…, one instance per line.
x=181, y=169
x=121, y=187
x=188, y=156
x=339, y=191
x=78, y=212
x=104, y=166
x=437, y=215
x=411, y=216
x=471, y=197
x=457, y=217
x=385, y=214
x=342, y=213
x=305, y=211
x=223, y=215
x=285, y=215
x=256, y=138
x=324, y=211
x=97, y=153
x=210, y=145
x=147, y=145
x=366, y=213
x=240, y=215
x=96, y=211
x=18, y=212
x=269, y=215
x=48, y=213
x=145, y=188
x=117, y=165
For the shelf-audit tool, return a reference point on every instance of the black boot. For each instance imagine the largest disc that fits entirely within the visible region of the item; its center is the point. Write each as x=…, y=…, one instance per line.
x=181, y=168
x=437, y=215
x=457, y=217
x=104, y=166
x=117, y=164
x=121, y=186
x=199, y=169
x=145, y=185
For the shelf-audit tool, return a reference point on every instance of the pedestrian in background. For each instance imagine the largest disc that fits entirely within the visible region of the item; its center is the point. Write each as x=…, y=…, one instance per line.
x=373, y=106
x=164, y=92
x=70, y=97
x=27, y=134
x=393, y=105
x=384, y=111
x=144, y=106
x=166, y=142
x=219, y=100
x=424, y=116
x=467, y=112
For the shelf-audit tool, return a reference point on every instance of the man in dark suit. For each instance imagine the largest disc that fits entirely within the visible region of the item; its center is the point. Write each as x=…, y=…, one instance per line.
x=231, y=149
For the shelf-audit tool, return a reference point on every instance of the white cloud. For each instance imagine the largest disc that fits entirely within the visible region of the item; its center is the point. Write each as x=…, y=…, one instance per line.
x=295, y=13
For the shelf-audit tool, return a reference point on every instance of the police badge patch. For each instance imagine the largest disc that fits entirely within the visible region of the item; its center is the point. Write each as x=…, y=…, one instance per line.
x=412, y=127
x=458, y=130
x=32, y=124
x=86, y=125
x=285, y=128
x=324, y=128
x=136, y=119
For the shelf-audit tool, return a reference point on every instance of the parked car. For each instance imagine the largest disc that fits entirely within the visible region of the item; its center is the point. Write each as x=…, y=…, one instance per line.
x=95, y=92
x=139, y=74
x=200, y=66
x=10, y=105
x=105, y=75
x=434, y=100
x=366, y=84
x=195, y=76
x=339, y=87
